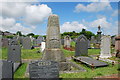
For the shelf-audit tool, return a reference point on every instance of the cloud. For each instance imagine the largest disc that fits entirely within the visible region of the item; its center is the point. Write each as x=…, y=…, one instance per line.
x=93, y=7
x=9, y=24
x=37, y=14
x=115, y=13
x=102, y=22
x=12, y=9
x=26, y=14
x=31, y=14
x=72, y=26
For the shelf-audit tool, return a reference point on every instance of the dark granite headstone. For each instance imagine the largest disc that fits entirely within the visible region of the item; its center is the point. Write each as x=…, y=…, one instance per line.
x=44, y=69
x=81, y=47
x=26, y=43
x=14, y=52
x=6, y=70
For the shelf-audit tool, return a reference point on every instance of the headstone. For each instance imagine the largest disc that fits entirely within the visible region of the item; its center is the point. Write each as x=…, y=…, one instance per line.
x=113, y=40
x=53, y=41
x=117, y=43
x=44, y=69
x=42, y=48
x=39, y=40
x=67, y=41
x=6, y=70
x=62, y=41
x=14, y=52
x=89, y=45
x=81, y=47
x=4, y=42
x=26, y=43
x=105, y=47
x=92, y=41
x=34, y=42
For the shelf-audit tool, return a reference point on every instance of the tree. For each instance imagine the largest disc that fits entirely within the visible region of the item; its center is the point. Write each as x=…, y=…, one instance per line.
x=19, y=33
x=36, y=36
x=30, y=34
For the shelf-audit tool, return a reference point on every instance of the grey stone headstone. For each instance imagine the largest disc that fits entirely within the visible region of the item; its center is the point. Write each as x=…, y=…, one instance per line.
x=26, y=43
x=92, y=41
x=39, y=40
x=5, y=42
x=113, y=40
x=6, y=67
x=62, y=41
x=81, y=47
x=14, y=52
x=44, y=69
x=67, y=41
x=89, y=46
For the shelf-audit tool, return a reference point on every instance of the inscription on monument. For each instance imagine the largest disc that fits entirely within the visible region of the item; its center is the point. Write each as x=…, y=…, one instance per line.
x=44, y=69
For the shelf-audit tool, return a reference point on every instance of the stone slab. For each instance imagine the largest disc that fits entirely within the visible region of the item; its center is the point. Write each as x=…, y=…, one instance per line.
x=90, y=61
x=44, y=69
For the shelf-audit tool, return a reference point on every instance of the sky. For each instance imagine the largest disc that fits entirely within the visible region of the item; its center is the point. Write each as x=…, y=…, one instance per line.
x=32, y=17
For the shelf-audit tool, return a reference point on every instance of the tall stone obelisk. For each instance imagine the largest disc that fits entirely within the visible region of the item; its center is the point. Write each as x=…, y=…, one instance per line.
x=53, y=41
x=99, y=35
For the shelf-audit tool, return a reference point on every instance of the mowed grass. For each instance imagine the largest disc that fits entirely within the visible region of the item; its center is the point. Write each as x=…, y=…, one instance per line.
x=20, y=73
x=25, y=53
x=101, y=71
x=31, y=54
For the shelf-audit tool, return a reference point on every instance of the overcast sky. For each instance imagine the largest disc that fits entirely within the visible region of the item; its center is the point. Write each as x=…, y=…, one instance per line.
x=73, y=16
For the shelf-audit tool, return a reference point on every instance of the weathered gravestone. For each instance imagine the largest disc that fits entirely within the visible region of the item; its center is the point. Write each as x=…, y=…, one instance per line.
x=62, y=41
x=6, y=70
x=4, y=42
x=89, y=45
x=34, y=42
x=67, y=41
x=14, y=51
x=92, y=41
x=81, y=47
x=39, y=40
x=105, y=47
x=53, y=41
x=117, y=43
x=44, y=69
x=26, y=43
x=113, y=40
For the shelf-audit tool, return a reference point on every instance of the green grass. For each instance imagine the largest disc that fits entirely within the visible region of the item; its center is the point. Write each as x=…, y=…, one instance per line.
x=4, y=53
x=93, y=51
x=20, y=73
x=26, y=54
x=72, y=43
x=68, y=53
x=101, y=71
x=31, y=54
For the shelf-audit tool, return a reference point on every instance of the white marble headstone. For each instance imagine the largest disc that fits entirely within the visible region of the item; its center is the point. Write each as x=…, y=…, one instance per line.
x=105, y=47
x=42, y=46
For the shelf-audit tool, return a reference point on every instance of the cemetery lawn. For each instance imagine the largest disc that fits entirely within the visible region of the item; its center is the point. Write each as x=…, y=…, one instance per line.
x=101, y=71
x=26, y=54
x=20, y=73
